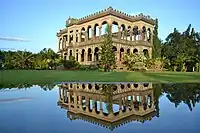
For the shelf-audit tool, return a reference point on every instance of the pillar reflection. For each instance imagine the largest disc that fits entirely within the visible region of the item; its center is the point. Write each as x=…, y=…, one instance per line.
x=108, y=105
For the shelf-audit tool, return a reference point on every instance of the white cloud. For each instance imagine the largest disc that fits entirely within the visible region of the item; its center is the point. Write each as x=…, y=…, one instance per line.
x=14, y=39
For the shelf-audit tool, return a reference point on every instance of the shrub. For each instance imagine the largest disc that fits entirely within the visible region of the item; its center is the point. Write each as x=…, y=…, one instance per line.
x=88, y=67
x=135, y=61
x=70, y=64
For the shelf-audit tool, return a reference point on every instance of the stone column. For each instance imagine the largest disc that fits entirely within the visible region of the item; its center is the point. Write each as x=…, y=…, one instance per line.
x=75, y=100
x=151, y=41
x=86, y=35
x=64, y=44
x=110, y=28
x=87, y=101
x=120, y=105
x=63, y=92
x=74, y=37
x=134, y=37
x=125, y=34
x=69, y=99
x=131, y=33
x=150, y=53
x=92, y=32
x=101, y=106
x=119, y=32
x=135, y=97
x=85, y=57
x=79, y=37
x=93, y=105
x=140, y=35
x=80, y=100
x=79, y=56
x=92, y=58
x=59, y=92
x=141, y=107
x=100, y=28
x=68, y=38
x=58, y=43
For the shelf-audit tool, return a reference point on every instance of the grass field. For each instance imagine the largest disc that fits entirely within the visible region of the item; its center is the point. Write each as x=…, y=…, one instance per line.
x=48, y=76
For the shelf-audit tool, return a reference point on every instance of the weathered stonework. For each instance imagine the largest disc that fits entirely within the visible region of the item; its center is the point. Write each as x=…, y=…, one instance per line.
x=82, y=37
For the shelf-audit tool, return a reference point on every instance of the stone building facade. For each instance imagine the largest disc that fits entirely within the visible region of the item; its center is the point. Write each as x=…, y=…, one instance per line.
x=82, y=37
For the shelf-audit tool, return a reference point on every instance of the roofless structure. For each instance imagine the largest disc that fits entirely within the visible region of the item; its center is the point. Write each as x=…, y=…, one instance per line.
x=82, y=37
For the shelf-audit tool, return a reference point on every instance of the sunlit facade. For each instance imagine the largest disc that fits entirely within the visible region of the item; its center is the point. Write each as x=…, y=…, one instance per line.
x=82, y=37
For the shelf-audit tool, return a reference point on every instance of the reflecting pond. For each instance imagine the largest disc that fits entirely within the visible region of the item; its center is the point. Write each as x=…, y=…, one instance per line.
x=100, y=107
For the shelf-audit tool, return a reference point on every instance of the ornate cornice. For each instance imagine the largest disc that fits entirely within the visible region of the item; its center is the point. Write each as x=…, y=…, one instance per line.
x=112, y=125
x=114, y=12
x=58, y=34
x=106, y=12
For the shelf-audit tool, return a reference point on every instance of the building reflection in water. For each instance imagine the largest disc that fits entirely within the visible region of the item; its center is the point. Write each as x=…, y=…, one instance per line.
x=108, y=105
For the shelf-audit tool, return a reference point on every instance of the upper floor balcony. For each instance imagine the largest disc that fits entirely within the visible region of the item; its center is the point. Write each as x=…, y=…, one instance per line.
x=120, y=38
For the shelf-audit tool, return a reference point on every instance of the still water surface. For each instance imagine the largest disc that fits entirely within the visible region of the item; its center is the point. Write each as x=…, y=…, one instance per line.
x=100, y=107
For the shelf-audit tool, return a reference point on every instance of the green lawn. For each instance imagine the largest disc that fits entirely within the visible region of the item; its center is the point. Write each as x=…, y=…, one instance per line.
x=47, y=76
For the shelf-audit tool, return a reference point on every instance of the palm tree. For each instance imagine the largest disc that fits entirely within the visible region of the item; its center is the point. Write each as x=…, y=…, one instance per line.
x=47, y=59
x=23, y=59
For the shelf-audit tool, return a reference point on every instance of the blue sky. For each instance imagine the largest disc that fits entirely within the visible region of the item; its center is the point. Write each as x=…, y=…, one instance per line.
x=38, y=20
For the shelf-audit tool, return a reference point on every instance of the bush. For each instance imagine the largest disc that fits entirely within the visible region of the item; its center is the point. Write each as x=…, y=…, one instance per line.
x=135, y=61
x=88, y=67
x=70, y=64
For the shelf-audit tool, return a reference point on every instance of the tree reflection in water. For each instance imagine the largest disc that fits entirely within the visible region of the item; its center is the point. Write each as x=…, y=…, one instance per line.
x=45, y=87
x=188, y=93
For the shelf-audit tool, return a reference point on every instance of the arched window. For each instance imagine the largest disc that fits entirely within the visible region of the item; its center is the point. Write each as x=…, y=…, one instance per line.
x=89, y=54
x=115, y=29
x=135, y=50
x=136, y=33
x=96, y=30
x=82, y=55
x=144, y=33
x=65, y=56
x=83, y=34
x=89, y=32
x=121, y=52
x=96, y=54
x=146, y=53
x=104, y=26
x=122, y=30
x=149, y=34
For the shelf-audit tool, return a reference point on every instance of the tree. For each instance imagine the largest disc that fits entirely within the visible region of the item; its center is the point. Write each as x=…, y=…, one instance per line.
x=183, y=93
x=23, y=60
x=182, y=50
x=156, y=52
x=47, y=59
x=1, y=59
x=107, y=55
